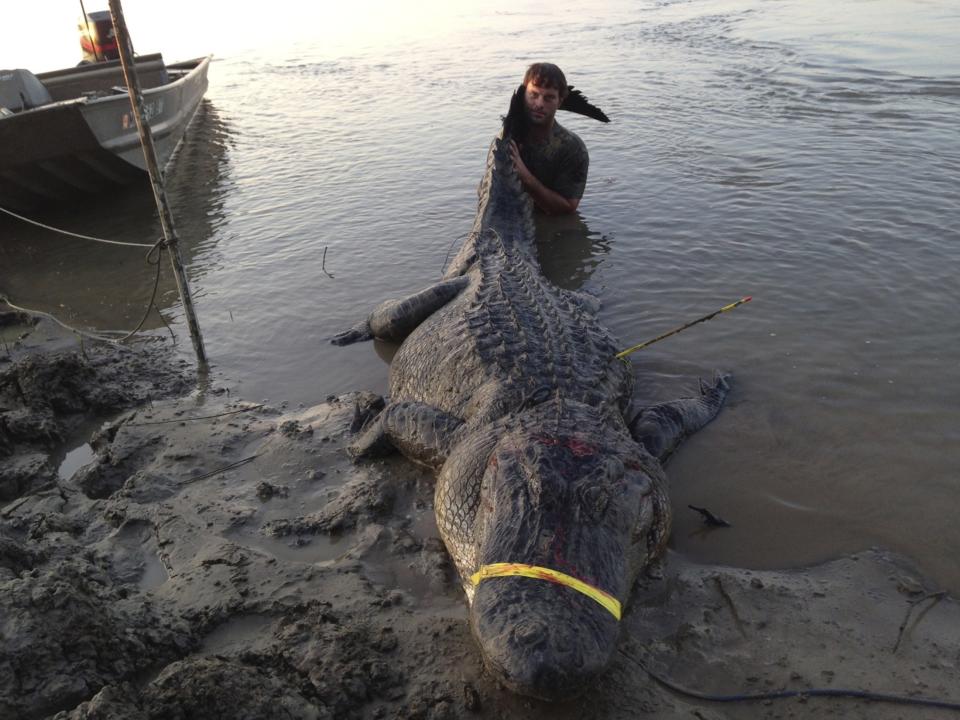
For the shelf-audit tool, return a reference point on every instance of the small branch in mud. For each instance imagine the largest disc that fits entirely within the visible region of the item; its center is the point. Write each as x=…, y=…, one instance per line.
x=163, y=557
x=733, y=608
x=238, y=463
x=709, y=518
x=196, y=417
x=323, y=265
x=936, y=597
x=14, y=505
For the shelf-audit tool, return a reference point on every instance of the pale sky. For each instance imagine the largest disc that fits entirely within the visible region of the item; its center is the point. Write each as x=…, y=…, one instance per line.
x=42, y=34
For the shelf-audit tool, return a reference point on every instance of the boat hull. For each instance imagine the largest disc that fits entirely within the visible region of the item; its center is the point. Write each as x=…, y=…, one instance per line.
x=73, y=149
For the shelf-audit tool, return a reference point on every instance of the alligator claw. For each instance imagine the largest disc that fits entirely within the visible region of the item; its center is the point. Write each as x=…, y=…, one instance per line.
x=366, y=407
x=357, y=333
x=721, y=383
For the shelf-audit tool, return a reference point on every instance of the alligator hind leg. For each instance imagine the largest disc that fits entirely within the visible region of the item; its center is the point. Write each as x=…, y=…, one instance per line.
x=661, y=428
x=421, y=432
x=395, y=319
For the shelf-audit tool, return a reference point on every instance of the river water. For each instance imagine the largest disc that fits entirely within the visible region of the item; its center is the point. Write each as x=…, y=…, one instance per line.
x=804, y=152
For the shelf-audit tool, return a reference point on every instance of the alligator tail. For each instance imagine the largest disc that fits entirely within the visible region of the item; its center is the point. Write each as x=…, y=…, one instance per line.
x=515, y=121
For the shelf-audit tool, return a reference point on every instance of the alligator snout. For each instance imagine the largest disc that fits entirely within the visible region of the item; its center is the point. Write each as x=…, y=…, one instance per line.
x=530, y=634
x=541, y=639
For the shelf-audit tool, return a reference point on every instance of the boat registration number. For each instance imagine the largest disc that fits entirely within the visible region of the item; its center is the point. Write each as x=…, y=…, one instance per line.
x=150, y=110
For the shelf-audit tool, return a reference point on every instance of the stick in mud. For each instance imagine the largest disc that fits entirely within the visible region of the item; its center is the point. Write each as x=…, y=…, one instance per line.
x=709, y=518
x=238, y=463
x=125, y=46
x=195, y=417
x=936, y=597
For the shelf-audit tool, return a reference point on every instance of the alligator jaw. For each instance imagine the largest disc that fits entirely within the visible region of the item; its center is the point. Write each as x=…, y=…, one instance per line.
x=541, y=639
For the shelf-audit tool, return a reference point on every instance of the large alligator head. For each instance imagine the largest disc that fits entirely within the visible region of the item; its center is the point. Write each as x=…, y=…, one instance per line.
x=567, y=512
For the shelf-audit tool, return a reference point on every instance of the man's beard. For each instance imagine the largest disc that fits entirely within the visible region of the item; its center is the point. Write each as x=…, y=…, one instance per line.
x=543, y=119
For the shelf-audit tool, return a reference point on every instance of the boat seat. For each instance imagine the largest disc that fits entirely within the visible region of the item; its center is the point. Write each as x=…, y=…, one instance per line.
x=22, y=90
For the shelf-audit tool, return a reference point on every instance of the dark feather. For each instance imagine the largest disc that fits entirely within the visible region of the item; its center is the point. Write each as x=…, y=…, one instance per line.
x=515, y=121
x=576, y=102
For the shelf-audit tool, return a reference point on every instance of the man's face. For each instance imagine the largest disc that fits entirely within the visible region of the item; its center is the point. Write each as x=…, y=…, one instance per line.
x=542, y=103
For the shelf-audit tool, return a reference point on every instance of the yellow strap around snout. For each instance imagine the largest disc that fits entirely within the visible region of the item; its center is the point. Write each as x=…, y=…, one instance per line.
x=605, y=599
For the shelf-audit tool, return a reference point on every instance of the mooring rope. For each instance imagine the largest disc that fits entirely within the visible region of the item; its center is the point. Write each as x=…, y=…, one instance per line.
x=108, y=336
x=73, y=234
x=66, y=326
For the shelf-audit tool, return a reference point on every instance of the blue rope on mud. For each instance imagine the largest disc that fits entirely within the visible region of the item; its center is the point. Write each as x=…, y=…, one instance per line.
x=785, y=694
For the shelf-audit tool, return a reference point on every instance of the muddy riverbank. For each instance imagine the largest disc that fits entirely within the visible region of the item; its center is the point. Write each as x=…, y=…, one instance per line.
x=219, y=558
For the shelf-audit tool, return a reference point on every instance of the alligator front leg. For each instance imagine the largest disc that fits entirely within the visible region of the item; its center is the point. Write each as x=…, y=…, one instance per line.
x=395, y=319
x=420, y=432
x=661, y=428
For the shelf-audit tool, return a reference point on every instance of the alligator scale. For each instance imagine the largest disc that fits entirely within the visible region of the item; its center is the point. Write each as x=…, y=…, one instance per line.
x=548, y=499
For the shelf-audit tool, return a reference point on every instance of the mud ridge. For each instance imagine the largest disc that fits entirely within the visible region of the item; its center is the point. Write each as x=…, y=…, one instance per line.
x=240, y=566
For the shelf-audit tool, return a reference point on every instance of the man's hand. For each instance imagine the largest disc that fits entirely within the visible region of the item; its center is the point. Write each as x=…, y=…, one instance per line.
x=546, y=199
x=522, y=170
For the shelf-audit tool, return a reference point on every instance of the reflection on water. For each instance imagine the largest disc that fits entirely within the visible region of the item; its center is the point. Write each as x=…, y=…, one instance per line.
x=198, y=180
x=385, y=350
x=106, y=287
x=569, y=252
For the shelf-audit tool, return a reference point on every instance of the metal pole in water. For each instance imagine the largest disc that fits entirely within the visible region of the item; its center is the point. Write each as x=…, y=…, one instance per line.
x=156, y=176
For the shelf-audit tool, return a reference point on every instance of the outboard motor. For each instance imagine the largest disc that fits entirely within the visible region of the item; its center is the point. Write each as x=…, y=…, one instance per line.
x=96, y=37
x=21, y=90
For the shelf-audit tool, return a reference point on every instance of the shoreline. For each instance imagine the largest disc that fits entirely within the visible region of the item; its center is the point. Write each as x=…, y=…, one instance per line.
x=240, y=566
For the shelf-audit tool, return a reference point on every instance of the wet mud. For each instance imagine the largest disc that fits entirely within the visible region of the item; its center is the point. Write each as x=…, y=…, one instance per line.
x=214, y=558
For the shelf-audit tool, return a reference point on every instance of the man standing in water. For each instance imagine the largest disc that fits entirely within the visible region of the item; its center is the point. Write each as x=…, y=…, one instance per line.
x=551, y=161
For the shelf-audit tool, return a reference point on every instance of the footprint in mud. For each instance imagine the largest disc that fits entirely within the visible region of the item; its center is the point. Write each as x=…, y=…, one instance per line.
x=134, y=555
x=75, y=459
x=235, y=635
x=313, y=549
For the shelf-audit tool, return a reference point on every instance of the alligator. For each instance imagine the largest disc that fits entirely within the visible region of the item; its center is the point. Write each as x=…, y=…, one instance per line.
x=550, y=495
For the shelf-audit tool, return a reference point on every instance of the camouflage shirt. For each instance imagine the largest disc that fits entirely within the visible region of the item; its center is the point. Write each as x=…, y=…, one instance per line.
x=560, y=162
